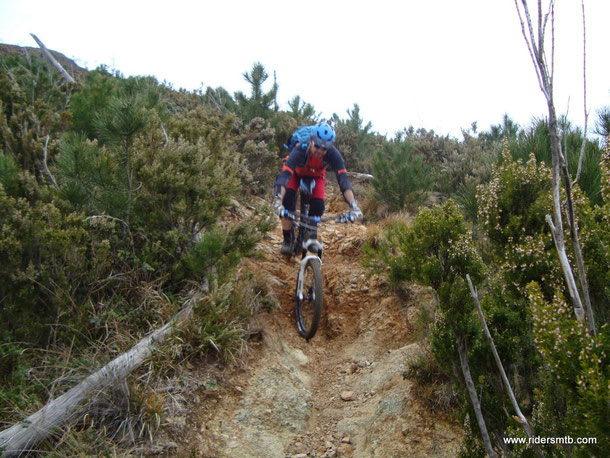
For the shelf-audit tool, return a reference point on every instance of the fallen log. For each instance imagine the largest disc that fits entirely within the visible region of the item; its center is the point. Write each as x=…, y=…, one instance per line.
x=360, y=176
x=23, y=436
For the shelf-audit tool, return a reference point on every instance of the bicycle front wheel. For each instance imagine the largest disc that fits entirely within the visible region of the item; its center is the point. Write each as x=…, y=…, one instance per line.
x=308, y=298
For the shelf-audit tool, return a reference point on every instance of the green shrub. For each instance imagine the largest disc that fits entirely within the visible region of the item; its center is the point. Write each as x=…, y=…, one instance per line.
x=579, y=371
x=33, y=104
x=401, y=178
x=562, y=367
x=515, y=202
x=87, y=176
x=356, y=140
x=595, y=238
x=219, y=250
x=184, y=186
x=96, y=91
x=9, y=174
x=535, y=140
x=465, y=166
x=262, y=162
x=49, y=261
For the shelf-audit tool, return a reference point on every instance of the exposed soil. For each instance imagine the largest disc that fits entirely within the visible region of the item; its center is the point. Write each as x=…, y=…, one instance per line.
x=343, y=393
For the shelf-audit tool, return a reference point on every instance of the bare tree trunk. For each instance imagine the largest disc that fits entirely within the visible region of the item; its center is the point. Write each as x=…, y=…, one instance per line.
x=545, y=80
x=463, y=352
x=580, y=263
x=584, y=284
x=52, y=60
x=556, y=223
x=23, y=436
x=522, y=419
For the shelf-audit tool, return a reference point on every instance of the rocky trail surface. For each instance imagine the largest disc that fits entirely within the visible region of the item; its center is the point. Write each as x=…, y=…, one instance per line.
x=343, y=393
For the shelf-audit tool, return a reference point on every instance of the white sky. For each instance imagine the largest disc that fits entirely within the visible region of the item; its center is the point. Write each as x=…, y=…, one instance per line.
x=436, y=64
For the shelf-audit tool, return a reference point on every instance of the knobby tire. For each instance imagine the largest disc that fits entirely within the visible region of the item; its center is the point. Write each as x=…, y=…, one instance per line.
x=309, y=309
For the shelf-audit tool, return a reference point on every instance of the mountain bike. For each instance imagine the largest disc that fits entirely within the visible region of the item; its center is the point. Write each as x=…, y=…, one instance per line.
x=308, y=293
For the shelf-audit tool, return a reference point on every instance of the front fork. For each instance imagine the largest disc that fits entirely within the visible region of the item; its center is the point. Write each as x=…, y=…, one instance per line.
x=301, y=277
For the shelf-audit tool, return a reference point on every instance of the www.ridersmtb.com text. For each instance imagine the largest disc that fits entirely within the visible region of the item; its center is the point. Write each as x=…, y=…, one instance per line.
x=550, y=440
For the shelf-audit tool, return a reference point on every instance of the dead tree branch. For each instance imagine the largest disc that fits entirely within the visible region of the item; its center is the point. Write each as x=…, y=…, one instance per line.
x=44, y=163
x=522, y=419
x=463, y=352
x=584, y=77
x=164, y=136
x=52, y=60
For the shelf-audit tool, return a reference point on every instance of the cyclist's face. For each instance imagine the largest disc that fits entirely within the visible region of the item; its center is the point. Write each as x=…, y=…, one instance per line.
x=316, y=150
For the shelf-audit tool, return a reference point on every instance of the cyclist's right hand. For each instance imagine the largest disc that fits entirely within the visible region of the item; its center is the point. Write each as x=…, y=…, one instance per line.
x=278, y=208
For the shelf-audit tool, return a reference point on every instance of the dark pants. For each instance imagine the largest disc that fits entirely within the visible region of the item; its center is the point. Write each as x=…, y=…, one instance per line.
x=316, y=206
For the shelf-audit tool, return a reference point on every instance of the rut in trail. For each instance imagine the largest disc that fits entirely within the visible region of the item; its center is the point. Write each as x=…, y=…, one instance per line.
x=343, y=393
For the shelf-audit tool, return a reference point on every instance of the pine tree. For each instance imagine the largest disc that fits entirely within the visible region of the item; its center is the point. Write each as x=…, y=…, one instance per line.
x=303, y=112
x=401, y=178
x=259, y=104
x=602, y=124
x=497, y=132
x=355, y=139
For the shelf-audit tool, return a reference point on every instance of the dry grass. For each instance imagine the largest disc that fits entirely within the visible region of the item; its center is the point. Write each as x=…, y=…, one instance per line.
x=431, y=387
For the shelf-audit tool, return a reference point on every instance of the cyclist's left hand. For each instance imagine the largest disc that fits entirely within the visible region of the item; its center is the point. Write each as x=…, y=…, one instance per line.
x=355, y=214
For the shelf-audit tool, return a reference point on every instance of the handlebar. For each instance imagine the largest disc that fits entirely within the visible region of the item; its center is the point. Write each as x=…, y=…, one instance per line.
x=299, y=217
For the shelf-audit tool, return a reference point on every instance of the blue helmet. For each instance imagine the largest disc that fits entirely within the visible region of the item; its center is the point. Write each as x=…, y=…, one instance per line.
x=323, y=135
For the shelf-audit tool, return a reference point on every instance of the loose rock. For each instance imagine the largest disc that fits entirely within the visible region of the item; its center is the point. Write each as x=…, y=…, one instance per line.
x=348, y=396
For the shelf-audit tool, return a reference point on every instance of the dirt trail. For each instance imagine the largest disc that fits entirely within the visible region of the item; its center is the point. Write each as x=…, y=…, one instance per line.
x=341, y=394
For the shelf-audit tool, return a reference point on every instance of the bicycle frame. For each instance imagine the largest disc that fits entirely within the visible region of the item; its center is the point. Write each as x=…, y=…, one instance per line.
x=303, y=224
x=309, y=295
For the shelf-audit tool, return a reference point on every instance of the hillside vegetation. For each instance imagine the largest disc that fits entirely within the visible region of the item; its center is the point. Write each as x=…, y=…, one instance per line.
x=119, y=198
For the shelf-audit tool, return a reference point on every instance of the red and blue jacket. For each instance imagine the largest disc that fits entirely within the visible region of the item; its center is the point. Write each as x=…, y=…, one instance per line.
x=303, y=164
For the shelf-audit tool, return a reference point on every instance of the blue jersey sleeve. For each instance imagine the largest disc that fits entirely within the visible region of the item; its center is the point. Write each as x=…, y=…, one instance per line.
x=335, y=161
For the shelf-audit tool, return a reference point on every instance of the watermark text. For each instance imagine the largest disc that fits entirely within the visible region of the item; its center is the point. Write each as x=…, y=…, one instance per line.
x=542, y=440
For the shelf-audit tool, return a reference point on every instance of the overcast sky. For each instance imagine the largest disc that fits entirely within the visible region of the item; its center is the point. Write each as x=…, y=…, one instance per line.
x=436, y=64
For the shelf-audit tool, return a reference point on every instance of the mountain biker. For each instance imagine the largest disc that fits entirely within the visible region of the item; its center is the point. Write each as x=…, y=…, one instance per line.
x=306, y=168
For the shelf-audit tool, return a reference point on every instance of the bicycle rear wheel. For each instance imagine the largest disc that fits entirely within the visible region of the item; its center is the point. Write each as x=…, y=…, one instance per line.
x=308, y=299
